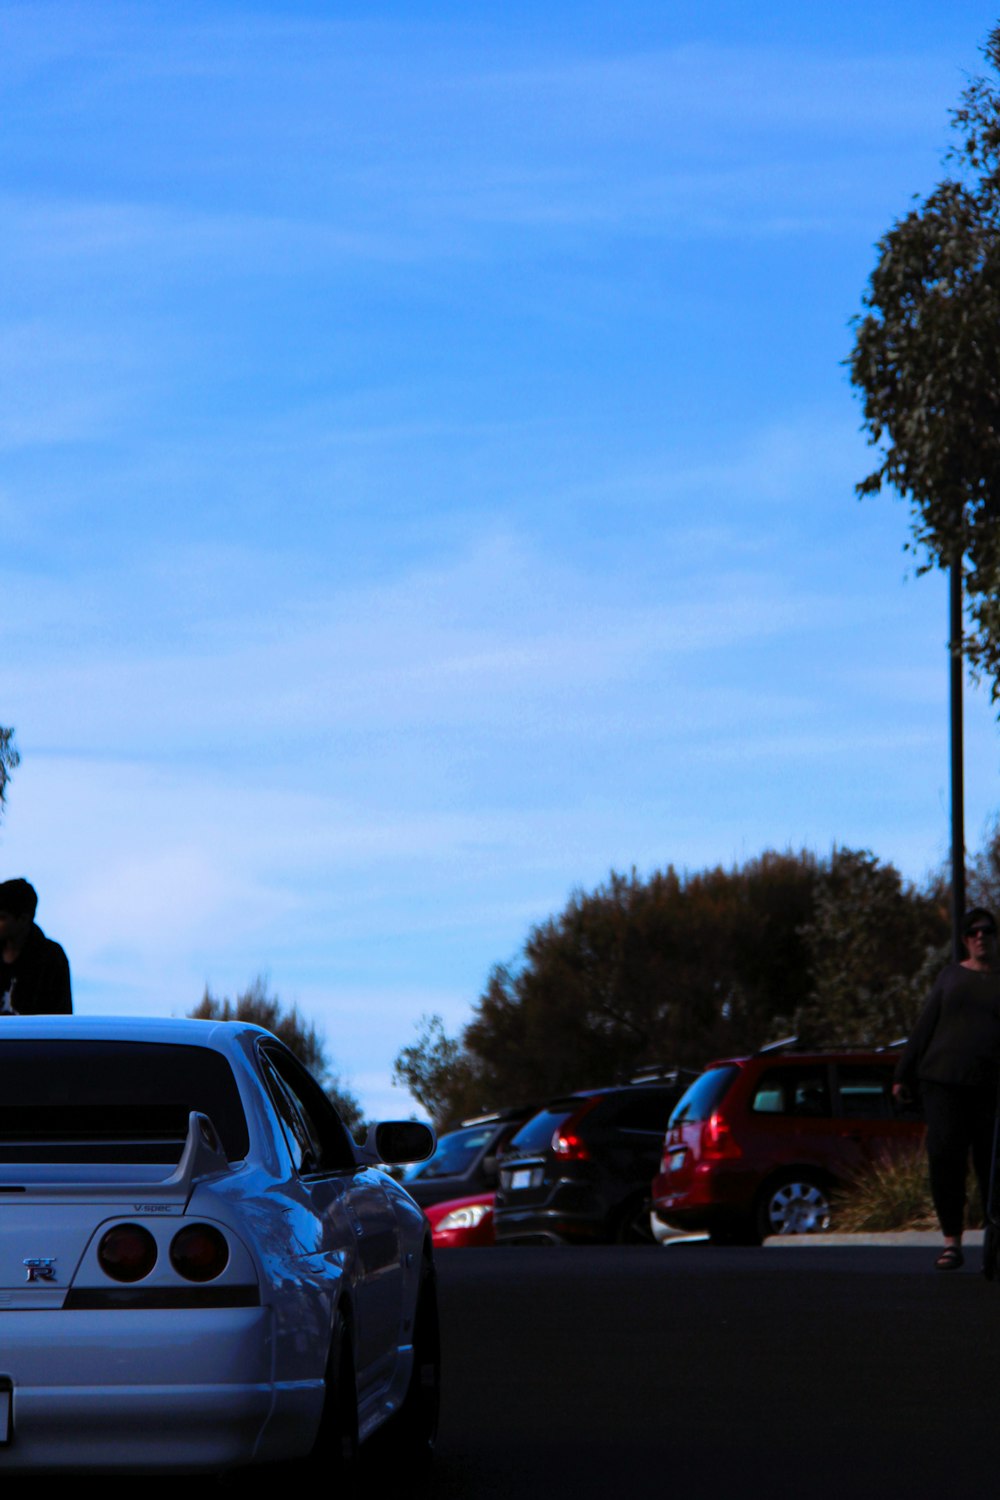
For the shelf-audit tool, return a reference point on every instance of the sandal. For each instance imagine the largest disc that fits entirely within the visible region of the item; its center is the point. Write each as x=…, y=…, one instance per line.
x=950, y=1259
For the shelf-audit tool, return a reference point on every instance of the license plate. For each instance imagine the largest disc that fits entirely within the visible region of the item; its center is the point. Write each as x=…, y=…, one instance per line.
x=525, y=1178
x=6, y=1393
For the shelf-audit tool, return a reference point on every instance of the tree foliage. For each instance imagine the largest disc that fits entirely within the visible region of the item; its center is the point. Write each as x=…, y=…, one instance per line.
x=9, y=762
x=673, y=970
x=642, y=972
x=435, y=1068
x=300, y=1036
x=926, y=359
x=982, y=879
x=874, y=946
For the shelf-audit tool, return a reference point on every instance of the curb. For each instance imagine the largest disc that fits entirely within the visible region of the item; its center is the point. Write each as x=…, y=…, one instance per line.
x=888, y=1238
x=926, y=1237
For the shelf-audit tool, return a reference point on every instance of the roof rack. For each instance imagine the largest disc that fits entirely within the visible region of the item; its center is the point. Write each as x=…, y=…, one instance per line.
x=786, y=1042
x=781, y=1045
x=526, y=1108
x=657, y=1073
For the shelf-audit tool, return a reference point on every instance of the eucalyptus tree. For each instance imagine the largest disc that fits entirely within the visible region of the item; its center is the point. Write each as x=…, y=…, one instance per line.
x=926, y=360
x=9, y=762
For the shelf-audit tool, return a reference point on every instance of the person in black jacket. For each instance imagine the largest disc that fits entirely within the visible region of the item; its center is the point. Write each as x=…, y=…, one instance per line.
x=953, y=1057
x=34, y=971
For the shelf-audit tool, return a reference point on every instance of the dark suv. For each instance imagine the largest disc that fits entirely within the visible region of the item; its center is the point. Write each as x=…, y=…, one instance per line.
x=758, y=1144
x=465, y=1160
x=580, y=1169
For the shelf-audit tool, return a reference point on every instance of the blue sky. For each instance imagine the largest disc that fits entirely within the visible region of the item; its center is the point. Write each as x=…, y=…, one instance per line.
x=427, y=478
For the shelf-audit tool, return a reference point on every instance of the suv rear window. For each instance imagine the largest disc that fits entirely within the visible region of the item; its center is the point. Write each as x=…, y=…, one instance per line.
x=704, y=1094
x=113, y=1101
x=538, y=1132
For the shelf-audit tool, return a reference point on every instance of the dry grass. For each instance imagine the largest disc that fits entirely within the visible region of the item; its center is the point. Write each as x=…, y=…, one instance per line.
x=894, y=1193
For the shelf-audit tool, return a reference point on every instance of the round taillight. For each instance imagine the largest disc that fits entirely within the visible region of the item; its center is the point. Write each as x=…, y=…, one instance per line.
x=199, y=1252
x=127, y=1252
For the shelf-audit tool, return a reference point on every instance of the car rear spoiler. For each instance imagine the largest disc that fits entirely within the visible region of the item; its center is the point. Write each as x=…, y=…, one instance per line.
x=202, y=1156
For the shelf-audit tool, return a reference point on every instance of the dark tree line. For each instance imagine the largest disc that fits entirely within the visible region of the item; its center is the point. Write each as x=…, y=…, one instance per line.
x=672, y=970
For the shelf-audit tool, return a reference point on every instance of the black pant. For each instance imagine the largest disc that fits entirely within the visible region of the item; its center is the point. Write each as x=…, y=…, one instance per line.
x=960, y=1118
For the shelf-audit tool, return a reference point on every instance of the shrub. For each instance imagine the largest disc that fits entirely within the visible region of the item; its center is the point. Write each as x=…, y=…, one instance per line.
x=894, y=1193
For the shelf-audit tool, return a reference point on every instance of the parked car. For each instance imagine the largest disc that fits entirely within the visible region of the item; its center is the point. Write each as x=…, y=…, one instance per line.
x=758, y=1144
x=464, y=1162
x=462, y=1223
x=580, y=1169
x=199, y=1269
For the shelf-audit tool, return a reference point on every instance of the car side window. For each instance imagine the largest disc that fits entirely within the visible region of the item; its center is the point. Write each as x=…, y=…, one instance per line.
x=799, y=1091
x=865, y=1091
x=304, y=1150
x=317, y=1138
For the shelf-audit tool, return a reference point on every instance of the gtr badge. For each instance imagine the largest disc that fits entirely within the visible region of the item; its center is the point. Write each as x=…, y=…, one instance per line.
x=40, y=1267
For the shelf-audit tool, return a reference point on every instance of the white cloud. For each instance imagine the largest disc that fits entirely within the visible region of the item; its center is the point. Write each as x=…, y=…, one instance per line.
x=463, y=643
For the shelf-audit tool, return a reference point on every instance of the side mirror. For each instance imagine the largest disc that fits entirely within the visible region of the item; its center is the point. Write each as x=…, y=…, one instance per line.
x=490, y=1172
x=397, y=1141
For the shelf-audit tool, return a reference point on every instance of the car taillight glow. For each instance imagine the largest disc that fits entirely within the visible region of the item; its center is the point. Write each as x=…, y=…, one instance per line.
x=199, y=1252
x=717, y=1138
x=127, y=1252
x=568, y=1146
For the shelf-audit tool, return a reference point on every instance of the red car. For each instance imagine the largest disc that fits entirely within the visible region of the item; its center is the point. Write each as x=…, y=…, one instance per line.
x=462, y=1222
x=758, y=1144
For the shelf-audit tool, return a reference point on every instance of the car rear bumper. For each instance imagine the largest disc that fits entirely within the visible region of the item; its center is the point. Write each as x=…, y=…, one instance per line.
x=706, y=1198
x=546, y=1226
x=695, y=1219
x=148, y=1390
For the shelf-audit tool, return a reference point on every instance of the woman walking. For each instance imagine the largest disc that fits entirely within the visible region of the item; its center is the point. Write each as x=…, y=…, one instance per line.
x=953, y=1059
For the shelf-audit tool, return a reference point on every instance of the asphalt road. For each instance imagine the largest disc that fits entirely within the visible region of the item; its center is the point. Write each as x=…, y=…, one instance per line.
x=813, y=1372
x=691, y=1372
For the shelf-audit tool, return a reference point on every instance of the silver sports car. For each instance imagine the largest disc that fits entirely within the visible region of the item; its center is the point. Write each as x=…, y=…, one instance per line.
x=199, y=1269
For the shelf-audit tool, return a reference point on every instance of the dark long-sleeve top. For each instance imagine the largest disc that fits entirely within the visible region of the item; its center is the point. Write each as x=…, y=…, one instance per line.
x=37, y=982
x=957, y=1038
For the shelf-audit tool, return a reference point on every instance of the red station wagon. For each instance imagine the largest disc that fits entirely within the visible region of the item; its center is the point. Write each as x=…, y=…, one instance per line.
x=757, y=1144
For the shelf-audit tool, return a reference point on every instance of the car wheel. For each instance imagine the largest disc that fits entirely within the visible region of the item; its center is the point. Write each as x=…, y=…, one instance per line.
x=797, y=1203
x=632, y=1227
x=991, y=1252
x=334, y=1454
x=415, y=1425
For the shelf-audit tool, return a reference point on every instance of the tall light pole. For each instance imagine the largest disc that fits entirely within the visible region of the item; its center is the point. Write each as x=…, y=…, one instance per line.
x=957, y=753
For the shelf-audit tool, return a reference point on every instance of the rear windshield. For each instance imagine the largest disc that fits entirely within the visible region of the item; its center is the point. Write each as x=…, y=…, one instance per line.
x=90, y=1101
x=454, y=1154
x=538, y=1132
x=704, y=1094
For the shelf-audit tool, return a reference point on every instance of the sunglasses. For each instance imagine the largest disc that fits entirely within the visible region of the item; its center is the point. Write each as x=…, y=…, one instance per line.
x=981, y=932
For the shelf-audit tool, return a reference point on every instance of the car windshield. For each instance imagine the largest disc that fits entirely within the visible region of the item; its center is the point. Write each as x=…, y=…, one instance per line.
x=96, y=1101
x=455, y=1153
x=704, y=1094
